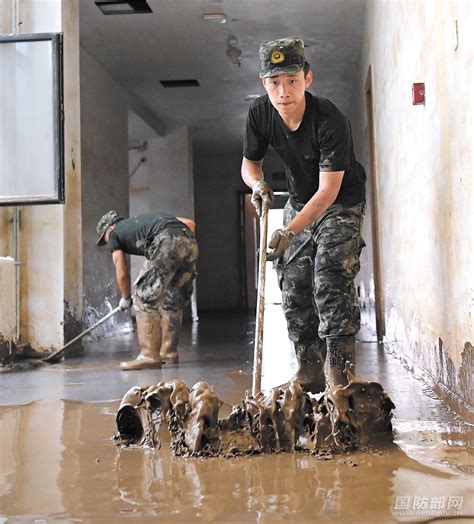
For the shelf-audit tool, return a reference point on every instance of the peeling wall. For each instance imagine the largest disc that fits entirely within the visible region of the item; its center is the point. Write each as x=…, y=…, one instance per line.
x=104, y=152
x=424, y=166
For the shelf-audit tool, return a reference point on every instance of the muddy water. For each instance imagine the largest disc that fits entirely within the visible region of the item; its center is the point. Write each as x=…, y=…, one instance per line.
x=58, y=462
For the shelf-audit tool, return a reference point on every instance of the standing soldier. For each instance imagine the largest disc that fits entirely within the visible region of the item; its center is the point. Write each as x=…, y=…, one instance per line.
x=317, y=251
x=165, y=283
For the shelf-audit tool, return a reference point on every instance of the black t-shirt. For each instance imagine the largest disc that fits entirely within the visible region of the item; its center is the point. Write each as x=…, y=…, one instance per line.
x=323, y=142
x=133, y=235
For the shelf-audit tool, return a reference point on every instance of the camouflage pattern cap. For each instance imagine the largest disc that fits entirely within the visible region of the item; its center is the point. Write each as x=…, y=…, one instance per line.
x=110, y=218
x=282, y=56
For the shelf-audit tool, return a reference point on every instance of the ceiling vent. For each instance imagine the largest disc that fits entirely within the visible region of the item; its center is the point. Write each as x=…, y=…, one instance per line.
x=179, y=83
x=119, y=7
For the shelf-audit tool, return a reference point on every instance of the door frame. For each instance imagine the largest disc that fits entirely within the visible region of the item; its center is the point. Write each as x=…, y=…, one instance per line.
x=376, y=248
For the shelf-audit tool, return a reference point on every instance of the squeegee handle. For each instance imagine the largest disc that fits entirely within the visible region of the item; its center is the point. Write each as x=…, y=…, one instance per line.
x=258, y=349
x=88, y=330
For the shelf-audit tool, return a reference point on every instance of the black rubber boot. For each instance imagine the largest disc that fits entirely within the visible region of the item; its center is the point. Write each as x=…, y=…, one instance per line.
x=310, y=373
x=341, y=350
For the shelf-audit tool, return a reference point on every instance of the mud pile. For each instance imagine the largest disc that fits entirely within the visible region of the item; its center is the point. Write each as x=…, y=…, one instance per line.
x=285, y=419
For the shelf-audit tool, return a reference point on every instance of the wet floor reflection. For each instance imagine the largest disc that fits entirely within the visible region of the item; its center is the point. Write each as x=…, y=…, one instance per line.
x=57, y=461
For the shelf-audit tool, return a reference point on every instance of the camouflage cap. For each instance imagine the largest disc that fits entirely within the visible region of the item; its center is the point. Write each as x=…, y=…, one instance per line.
x=110, y=218
x=282, y=56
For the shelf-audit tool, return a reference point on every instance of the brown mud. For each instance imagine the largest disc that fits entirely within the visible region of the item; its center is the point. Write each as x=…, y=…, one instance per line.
x=284, y=419
x=58, y=463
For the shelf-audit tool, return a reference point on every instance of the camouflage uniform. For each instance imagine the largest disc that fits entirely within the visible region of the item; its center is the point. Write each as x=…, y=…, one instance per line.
x=316, y=276
x=317, y=270
x=166, y=279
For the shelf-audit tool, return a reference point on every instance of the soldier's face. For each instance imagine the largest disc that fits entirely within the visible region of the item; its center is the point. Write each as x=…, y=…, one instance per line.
x=286, y=92
x=107, y=233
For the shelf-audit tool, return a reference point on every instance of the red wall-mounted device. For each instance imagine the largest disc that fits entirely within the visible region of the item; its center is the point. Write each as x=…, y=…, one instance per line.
x=418, y=93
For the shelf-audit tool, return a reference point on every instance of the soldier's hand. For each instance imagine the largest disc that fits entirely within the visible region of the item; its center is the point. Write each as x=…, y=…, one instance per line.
x=279, y=243
x=262, y=192
x=125, y=303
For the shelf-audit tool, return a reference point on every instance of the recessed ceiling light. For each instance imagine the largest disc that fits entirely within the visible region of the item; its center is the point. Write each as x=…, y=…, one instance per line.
x=218, y=18
x=180, y=83
x=252, y=97
x=121, y=7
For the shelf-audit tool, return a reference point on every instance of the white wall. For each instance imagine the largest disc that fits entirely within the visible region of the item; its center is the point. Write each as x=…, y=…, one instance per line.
x=165, y=181
x=424, y=158
x=170, y=165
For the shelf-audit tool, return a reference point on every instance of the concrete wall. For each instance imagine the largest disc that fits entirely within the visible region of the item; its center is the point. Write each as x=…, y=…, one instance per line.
x=424, y=159
x=104, y=130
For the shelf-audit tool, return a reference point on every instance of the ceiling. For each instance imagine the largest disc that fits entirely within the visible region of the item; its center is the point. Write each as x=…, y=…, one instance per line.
x=175, y=42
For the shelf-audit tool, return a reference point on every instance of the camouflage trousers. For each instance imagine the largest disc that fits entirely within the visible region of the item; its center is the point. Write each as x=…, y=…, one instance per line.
x=166, y=279
x=316, y=276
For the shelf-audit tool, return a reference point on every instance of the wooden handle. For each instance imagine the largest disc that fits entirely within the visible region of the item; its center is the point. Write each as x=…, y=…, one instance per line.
x=258, y=348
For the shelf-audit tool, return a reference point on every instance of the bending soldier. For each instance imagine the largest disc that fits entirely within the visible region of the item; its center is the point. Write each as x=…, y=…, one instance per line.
x=317, y=251
x=164, y=285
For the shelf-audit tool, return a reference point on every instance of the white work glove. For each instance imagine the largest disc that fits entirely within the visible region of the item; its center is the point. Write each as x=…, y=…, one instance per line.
x=279, y=243
x=262, y=192
x=125, y=303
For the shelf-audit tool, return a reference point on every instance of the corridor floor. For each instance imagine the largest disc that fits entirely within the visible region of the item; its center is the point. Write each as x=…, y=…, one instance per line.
x=58, y=462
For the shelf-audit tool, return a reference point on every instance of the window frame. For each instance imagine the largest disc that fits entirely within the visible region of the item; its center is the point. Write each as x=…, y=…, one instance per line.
x=57, y=197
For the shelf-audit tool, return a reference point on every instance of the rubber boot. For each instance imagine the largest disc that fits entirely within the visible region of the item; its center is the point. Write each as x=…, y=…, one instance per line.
x=171, y=325
x=310, y=372
x=149, y=339
x=341, y=350
x=129, y=423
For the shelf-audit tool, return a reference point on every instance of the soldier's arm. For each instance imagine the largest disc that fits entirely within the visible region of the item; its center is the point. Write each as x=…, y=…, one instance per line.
x=329, y=186
x=121, y=272
x=251, y=171
x=190, y=223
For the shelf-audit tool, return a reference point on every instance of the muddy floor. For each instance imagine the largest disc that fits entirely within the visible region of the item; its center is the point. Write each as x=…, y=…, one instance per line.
x=58, y=461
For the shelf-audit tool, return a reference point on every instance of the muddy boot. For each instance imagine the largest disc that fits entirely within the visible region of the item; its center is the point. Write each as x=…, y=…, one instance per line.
x=149, y=339
x=171, y=324
x=341, y=350
x=310, y=373
x=129, y=422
